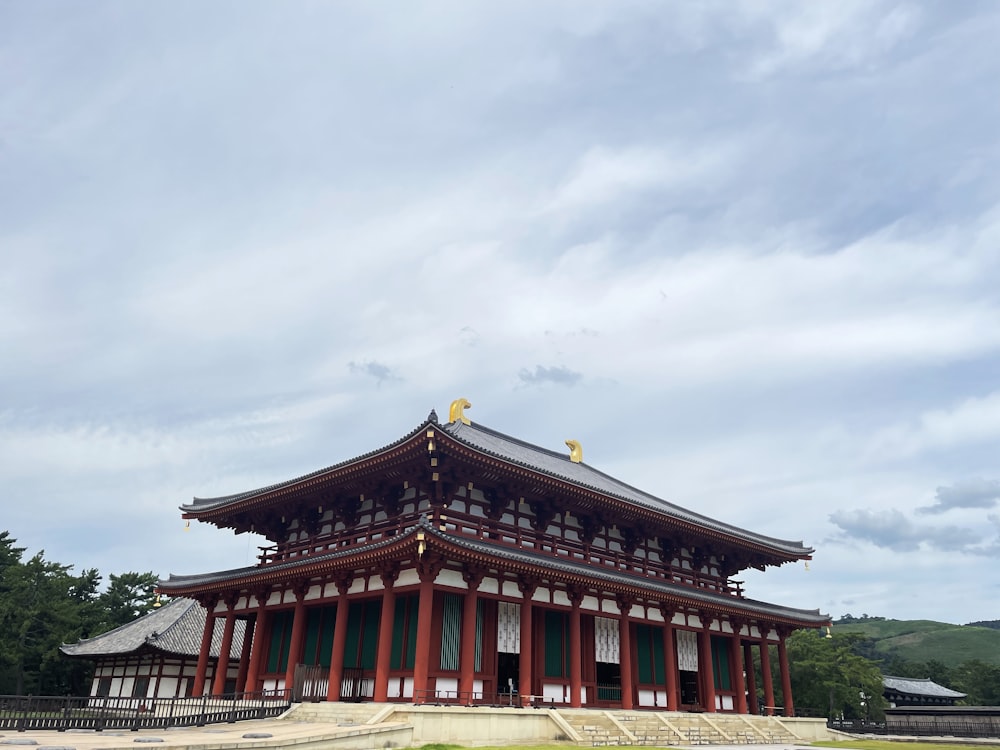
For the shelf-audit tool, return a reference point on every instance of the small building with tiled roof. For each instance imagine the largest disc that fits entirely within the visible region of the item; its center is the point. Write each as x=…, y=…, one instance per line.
x=461, y=564
x=156, y=656
x=910, y=691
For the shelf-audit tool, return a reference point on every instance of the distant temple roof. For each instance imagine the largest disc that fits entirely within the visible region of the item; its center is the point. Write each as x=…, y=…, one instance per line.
x=518, y=453
x=919, y=687
x=174, y=628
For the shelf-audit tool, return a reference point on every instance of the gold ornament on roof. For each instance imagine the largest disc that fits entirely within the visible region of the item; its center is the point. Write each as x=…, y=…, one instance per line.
x=575, y=451
x=456, y=412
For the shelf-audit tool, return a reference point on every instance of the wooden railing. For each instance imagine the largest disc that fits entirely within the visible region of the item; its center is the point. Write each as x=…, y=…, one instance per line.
x=508, y=535
x=59, y=713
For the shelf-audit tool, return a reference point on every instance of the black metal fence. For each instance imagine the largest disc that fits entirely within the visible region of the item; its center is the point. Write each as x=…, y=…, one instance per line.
x=21, y=712
x=982, y=726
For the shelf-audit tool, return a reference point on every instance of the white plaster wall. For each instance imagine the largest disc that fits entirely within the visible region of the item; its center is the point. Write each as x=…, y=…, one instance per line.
x=446, y=687
x=167, y=687
x=453, y=578
x=555, y=693
x=407, y=577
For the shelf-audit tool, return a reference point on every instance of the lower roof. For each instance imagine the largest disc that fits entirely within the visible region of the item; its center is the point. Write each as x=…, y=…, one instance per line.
x=175, y=628
x=506, y=558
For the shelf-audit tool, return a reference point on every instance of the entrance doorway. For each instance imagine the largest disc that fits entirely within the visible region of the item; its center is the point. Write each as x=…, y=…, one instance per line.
x=508, y=674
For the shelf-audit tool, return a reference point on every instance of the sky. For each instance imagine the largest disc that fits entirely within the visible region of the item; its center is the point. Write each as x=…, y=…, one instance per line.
x=747, y=253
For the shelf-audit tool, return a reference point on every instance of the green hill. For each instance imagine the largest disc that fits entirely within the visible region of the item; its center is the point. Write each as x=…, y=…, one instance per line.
x=926, y=640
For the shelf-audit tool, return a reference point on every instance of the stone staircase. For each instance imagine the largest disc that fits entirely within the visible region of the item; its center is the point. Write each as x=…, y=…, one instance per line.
x=342, y=714
x=585, y=727
x=597, y=728
x=660, y=729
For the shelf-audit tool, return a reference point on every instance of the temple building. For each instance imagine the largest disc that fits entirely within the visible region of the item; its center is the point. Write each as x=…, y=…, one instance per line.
x=156, y=656
x=910, y=691
x=459, y=564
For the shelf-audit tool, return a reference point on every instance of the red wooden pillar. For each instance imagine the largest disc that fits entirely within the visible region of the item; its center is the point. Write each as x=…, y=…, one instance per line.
x=339, y=640
x=206, y=647
x=425, y=610
x=222, y=668
x=673, y=677
x=241, y=673
x=739, y=680
x=754, y=706
x=299, y=619
x=259, y=643
x=625, y=654
x=765, y=675
x=575, y=657
x=385, y=623
x=705, y=667
x=467, y=657
x=786, y=677
x=525, y=662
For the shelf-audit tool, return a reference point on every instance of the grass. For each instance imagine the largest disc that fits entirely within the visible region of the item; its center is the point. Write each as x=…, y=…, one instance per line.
x=888, y=745
x=845, y=745
x=851, y=744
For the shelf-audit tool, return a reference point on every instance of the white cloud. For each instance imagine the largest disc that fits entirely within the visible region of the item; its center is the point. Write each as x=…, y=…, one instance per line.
x=765, y=263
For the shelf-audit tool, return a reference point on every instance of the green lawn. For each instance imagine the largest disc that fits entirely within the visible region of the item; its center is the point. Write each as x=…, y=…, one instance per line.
x=848, y=745
x=887, y=745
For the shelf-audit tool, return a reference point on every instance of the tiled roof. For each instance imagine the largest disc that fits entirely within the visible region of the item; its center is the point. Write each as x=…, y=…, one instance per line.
x=677, y=591
x=913, y=686
x=174, y=628
x=529, y=557
x=558, y=465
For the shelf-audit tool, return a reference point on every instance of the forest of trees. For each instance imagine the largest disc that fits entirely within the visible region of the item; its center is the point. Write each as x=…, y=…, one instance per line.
x=43, y=604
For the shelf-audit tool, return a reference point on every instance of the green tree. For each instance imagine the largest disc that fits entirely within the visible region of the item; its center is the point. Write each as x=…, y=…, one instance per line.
x=829, y=678
x=129, y=595
x=36, y=616
x=980, y=682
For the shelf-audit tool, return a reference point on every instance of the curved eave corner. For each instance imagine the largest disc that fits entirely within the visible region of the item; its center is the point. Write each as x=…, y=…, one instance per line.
x=203, y=508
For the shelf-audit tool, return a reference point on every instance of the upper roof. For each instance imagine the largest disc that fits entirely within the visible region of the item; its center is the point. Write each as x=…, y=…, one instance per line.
x=518, y=453
x=560, y=466
x=923, y=687
x=174, y=628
